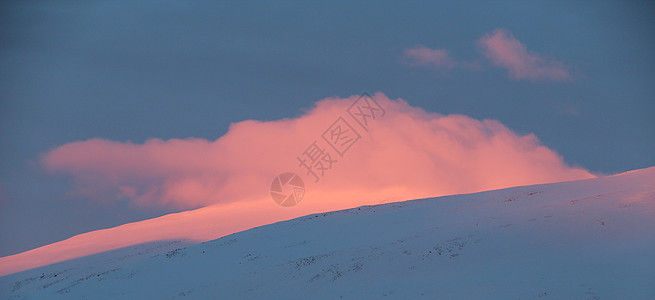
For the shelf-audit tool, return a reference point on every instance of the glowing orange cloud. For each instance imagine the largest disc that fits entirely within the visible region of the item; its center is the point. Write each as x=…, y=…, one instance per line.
x=507, y=52
x=406, y=154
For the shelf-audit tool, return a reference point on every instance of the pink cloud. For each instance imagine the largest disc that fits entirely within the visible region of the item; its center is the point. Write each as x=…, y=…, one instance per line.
x=407, y=154
x=507, y=52
x=424, y=56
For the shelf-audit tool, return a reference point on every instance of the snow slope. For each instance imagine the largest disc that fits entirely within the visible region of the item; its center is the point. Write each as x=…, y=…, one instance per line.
x=590, y=239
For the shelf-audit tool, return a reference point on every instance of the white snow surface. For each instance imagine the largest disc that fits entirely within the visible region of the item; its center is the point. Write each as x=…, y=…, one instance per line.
x=589, y=239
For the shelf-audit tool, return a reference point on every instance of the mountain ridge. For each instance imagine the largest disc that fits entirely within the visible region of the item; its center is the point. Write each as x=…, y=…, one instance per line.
x=586, y=239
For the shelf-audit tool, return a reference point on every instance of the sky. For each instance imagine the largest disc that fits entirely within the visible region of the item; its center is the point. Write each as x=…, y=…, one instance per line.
x=115, y=111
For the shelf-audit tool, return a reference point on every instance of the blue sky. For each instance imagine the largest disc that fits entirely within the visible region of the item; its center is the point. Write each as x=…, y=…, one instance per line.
x=128, y=71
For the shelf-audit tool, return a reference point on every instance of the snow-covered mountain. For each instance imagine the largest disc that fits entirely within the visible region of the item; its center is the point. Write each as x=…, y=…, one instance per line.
x=589, y=239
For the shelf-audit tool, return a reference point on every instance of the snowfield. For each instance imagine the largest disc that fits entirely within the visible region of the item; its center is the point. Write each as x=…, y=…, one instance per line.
x=589, y=239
